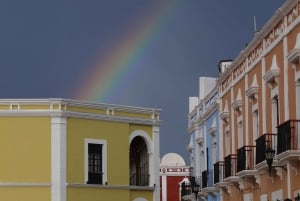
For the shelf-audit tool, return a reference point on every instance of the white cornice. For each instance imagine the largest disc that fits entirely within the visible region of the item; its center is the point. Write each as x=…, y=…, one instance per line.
x=70, y=102
x=81, y=115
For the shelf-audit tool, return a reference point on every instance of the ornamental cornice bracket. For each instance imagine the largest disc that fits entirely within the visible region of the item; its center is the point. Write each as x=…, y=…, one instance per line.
x=293, y=165
x=237, y=105
x=279, y=172
x=228, y=189
x=241, y=185
x=294, y=55
x=272, y=74
x=257, y=179
x=252, y=93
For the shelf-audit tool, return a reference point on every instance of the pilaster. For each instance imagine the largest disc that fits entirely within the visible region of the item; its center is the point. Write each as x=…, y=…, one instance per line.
x=58, y=158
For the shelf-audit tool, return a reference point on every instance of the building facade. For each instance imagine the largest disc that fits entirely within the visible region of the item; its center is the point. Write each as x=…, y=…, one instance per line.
x=59, y=150
x=259, y=117
x=259, y=105
x=204, y=139
x=173, y=173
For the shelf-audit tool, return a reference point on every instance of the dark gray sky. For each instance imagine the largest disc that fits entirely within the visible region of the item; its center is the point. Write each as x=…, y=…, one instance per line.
x=50, y=48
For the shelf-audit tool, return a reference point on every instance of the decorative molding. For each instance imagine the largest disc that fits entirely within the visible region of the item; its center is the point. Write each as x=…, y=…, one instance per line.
x=252, y=91
x=241, y=185
x=294, y=166
x=257, y=179
x=225, y=114
x=59, y=107
x=279, y=172
x=294, y=55
x=272, y=74
x=26, y=184
x=237, y=103
x=213, y=129
x=282, y=22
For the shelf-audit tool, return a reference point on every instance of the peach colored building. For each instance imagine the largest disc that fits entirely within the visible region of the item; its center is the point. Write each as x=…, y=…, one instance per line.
x=260, y=111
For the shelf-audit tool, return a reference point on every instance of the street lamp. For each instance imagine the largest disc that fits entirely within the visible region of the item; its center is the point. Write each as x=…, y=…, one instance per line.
x=270, y=153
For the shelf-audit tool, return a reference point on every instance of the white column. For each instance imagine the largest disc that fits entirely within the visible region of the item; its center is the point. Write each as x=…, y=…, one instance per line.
x=263, y=96
x=58, y=158
x=232, y=125
x=246, y=108
x=197, y=161
x=156, y=161
x=285, y=80
x=164, y=187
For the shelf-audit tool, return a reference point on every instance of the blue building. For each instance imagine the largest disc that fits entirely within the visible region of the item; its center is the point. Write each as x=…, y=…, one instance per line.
x=204, y=146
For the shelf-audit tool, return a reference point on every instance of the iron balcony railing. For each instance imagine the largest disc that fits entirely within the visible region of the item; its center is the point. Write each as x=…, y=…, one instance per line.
x=262, y=142
x=230, y=165
x=245, y=158
x=218, y=172
x=139, y=179
x=288, y=133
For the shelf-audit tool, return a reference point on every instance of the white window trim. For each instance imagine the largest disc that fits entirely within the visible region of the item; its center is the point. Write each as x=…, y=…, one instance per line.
x=104, y=158
x=277, y=194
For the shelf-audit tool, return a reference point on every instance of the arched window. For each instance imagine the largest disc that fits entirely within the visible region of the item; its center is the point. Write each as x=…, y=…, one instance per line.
x=139, y=162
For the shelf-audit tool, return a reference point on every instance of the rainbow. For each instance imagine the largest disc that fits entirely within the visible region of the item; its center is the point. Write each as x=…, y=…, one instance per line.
x=105, y=78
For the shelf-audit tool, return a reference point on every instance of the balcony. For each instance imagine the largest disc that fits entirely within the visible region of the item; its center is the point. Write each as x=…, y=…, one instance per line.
x=218, y=172
x=262, y=142
x=230, y=168
x=288, y=145
x=245, y=161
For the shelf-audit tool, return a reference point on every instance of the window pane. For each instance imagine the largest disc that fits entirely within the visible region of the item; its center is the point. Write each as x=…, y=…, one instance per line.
x=95, y=163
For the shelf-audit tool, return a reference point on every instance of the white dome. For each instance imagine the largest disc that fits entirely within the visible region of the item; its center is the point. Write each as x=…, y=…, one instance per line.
x=172, y=159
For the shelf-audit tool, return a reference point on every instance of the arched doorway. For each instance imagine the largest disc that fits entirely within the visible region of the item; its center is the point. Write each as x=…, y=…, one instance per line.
x=140, y=199
x=139, y=162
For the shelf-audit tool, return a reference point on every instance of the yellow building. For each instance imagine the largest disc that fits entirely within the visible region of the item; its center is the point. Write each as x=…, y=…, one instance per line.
x=66, y=150
x=260, y=113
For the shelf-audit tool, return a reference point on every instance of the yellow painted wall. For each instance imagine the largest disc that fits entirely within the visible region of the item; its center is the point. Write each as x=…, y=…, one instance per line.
x=117, y=136
x=97, y=194
x=25, y=149
x=147, y=129
x=25, y=193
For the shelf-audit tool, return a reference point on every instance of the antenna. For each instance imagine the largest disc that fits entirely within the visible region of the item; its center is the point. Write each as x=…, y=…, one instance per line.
x=254, y=19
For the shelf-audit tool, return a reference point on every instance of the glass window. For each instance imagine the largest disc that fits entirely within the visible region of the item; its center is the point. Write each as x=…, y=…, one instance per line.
x=95, y=164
